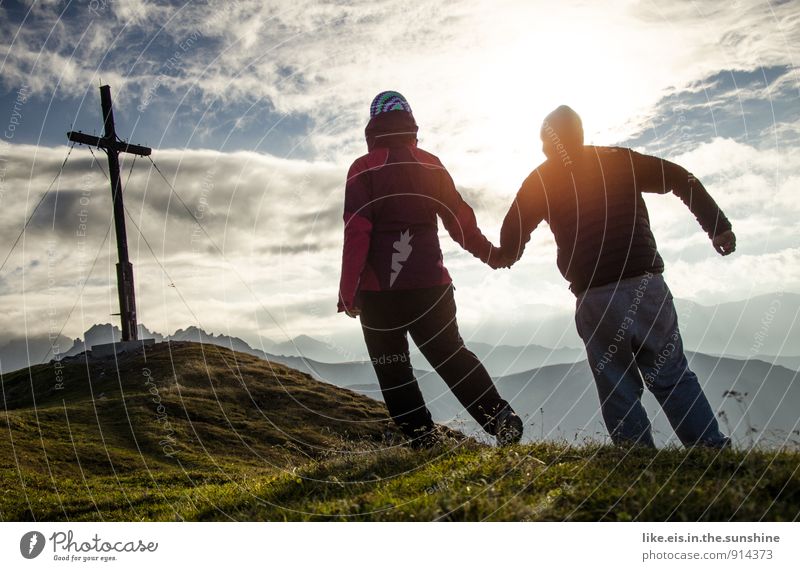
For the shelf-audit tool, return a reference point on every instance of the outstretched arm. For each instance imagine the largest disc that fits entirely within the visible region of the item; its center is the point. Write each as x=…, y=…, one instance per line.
x=357, y=235
x=663, y=176
x=460, y=222
x=525, y=214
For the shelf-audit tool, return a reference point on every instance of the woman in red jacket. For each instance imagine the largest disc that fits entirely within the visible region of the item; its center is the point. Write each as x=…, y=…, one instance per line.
x=394, y=278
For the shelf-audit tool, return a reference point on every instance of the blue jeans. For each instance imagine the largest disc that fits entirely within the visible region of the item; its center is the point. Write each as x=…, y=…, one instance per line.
x=630, y=329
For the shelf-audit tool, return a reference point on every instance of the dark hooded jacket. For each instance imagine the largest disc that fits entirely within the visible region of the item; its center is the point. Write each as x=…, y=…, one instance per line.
x=592, y=200
x=393, y=197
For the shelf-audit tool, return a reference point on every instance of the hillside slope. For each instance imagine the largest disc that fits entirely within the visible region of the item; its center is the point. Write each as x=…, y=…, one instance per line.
x=198, y=432
x=181, y=408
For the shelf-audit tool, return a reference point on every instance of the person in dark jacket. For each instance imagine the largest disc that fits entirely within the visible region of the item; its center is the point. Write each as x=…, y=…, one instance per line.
x=394, y=278
x=592, y=199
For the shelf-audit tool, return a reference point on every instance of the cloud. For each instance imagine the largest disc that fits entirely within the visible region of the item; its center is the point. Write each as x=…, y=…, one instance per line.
x=278, y=223
x=709, y=282
x=295, y=81
x=747, y=179
x=480, y=75
x=260, y=210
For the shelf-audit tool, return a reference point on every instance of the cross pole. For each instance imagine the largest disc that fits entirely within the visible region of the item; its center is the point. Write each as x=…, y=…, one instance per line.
x=113, y=147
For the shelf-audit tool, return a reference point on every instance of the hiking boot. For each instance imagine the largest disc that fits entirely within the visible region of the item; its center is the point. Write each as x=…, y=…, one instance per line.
x=724, y=444
x=508, y=427
x=425, y=438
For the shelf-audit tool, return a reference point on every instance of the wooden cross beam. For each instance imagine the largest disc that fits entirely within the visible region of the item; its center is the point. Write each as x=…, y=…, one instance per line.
x=113, y=147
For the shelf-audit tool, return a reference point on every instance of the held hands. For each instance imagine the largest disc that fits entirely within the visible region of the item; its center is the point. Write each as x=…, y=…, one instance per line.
x=499, y=259
x=725, y=243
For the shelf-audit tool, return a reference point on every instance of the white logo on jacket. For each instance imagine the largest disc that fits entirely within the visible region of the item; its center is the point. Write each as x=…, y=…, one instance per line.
x=402, y=250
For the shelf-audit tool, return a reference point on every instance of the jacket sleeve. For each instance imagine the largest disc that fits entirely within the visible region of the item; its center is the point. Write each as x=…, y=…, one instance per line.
x=526, y=212
x=660, y=176
x=357, y=234
x=459, y=220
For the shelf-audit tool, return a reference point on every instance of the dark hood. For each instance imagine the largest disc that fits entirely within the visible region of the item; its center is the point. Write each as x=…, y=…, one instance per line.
x=391, y=129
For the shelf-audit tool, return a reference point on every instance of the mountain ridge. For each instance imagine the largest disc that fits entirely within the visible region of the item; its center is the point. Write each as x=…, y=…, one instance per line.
x=764, y=327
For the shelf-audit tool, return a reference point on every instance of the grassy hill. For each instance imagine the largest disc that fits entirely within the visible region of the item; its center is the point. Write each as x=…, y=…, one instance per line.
x=197, y=432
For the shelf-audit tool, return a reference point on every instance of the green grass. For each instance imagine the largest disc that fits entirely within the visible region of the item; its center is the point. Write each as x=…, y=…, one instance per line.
x=241, y=439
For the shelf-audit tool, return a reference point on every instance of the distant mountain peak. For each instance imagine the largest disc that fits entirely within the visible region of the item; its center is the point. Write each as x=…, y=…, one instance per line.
x=307, y=338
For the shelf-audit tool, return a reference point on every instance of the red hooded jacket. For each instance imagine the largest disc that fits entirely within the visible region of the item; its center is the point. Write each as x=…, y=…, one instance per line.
x=393, y=197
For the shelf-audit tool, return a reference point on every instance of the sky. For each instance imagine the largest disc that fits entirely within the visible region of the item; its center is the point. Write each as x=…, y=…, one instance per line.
x=255, y=110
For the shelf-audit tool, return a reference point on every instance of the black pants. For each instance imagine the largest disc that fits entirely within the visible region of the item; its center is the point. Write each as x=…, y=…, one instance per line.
x=429, y=315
